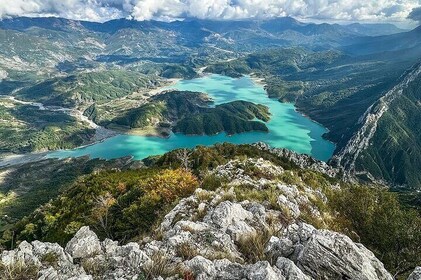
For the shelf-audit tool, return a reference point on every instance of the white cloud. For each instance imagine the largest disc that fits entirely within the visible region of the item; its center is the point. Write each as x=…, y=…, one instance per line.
x=95, y=10
x=101, y=10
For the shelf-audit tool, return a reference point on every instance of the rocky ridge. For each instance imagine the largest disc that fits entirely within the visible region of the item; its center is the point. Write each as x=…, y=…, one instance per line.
x=216, y=235
x=301, y=160
x=347, y=157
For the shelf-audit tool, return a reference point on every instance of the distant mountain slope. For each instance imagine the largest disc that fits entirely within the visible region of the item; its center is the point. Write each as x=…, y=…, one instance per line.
x=82, y=88
x=331, y=87
x=374, y=29
x=394, y=152
x=395, y=42
x=40, y=48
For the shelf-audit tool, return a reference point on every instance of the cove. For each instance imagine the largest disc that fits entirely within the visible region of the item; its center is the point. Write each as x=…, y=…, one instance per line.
x=287, y=128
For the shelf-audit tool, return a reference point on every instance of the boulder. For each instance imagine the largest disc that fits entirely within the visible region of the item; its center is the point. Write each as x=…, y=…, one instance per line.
x=289, y=270
x=84, y=244
x=325, y=254
x=226, y=214
x=263, y=271
x=201, y=267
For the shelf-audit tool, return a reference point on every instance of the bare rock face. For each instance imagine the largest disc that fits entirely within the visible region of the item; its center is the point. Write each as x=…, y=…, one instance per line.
x=416, y=274
x=264, y=271
x=330, y=255
x=303, y=161
x=290, y=270
x=216, y=235
x=228, y=214
x=84, y=244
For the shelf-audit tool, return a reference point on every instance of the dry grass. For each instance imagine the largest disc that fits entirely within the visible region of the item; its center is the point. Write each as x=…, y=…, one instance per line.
x=204, y=196
x=94, y=268
x=18, y=270
x=160, y=265
x=50, y=259
x=186, y=251
x=252, y=246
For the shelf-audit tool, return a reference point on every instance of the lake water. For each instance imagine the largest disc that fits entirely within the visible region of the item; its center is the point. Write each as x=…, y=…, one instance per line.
x=287, y=128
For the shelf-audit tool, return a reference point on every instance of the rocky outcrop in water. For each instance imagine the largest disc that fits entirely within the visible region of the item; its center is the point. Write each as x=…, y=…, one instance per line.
x=216, y=235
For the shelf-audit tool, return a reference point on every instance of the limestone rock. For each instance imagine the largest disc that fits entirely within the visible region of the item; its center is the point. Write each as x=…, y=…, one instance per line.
x=84, y=244
x=416, y=274
x=290, y=270
x=329, y=255
x=201, y=267
x=227, y=213
x=264, y=271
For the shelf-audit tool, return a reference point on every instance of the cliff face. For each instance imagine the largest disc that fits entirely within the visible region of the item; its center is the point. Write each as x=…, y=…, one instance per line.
x=215, y=234
x=369, y=122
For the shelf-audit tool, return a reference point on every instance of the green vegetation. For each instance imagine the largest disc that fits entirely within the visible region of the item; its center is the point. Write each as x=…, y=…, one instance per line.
x=190, y=113
x=143, y=116
x=234, y=117
x=85, y=88
x=203, y=158
x=177, y=71
x=118, y=205
x=167, y=107
x=22, y=189
x=25, y=128
x=395, y=150
x=374, y=217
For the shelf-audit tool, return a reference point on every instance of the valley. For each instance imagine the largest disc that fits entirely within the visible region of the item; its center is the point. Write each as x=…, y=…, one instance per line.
x=197, y=148
x=287, y=128
x=322, y=69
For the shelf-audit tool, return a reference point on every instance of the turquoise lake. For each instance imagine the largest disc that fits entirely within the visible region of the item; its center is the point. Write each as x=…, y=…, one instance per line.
x=287, y=128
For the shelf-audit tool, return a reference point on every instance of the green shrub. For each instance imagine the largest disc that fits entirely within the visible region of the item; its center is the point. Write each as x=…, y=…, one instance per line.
x=116, y=204
x=392, y=232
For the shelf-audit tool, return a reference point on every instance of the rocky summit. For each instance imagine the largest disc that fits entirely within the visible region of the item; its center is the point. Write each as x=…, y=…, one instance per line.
x=215, y=235
x=194, y=139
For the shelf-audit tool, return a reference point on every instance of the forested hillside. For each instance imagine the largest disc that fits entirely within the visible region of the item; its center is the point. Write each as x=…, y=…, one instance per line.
x=394, y=152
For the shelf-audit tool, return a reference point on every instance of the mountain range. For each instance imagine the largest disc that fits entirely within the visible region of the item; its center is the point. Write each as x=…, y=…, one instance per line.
x=225, y=211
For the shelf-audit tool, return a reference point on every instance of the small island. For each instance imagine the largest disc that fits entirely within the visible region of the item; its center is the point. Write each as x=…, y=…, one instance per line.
x=192, y=113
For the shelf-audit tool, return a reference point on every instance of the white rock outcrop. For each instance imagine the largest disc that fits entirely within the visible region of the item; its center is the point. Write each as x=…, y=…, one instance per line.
x=214, y=235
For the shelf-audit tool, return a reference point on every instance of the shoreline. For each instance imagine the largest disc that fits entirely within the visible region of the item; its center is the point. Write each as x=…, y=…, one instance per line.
x=261, y=81
x=17, y=159
x=101, y=133
x=258, y=80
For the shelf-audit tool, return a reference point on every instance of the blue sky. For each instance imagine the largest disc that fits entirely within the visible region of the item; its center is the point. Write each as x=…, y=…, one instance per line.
x=395, y=11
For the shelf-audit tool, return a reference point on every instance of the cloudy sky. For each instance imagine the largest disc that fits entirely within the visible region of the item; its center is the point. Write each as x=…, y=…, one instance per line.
x=310, y=10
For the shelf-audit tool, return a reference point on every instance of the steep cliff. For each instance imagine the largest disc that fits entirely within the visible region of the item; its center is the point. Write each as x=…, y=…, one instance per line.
x=385, y=147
